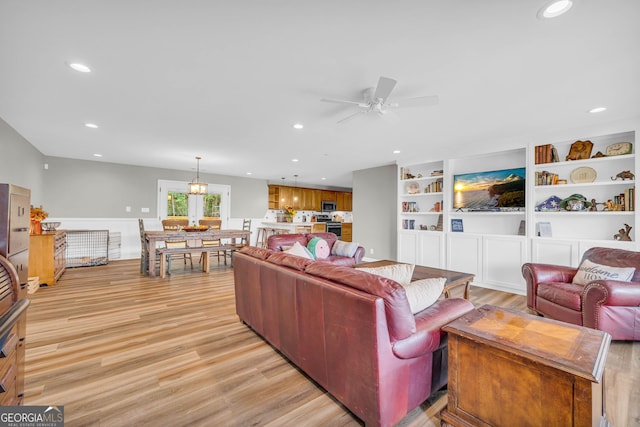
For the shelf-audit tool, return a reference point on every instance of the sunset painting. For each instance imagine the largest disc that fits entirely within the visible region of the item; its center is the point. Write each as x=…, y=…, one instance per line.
x=489, y=190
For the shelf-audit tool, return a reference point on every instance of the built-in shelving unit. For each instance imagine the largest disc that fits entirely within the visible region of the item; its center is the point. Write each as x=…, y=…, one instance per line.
x=493, y=244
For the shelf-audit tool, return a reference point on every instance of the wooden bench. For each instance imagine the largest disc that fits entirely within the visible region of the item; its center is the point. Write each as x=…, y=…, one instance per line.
x=165, y=253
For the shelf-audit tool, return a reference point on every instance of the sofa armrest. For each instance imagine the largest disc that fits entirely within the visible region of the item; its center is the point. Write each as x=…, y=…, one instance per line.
x=429, y=323
x=609, y=293
x=536, y=273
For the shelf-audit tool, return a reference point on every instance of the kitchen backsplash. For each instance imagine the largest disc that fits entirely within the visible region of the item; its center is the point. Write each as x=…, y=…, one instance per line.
x=305, y=216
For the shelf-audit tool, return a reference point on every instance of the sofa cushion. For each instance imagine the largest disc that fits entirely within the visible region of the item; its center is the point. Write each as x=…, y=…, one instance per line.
x=319, y=248
x=590, y=271
x=424, y=293
x=400, y=320
x=331, y=238
x=400, y=272
x=298, y=250
x=341, y=248
x=564, y=294
x=288, y=260
x=256, y=252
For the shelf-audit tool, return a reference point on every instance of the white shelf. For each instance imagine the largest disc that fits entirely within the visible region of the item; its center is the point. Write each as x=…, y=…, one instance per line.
x=421, y=213
x=586, y=184
x=424, y=178
x=586, y=213
x=584, y=162
x=478, y=213
x=439, y=193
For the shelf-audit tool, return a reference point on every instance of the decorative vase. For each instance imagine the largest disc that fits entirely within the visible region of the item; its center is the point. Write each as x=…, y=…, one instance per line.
x=36, y=227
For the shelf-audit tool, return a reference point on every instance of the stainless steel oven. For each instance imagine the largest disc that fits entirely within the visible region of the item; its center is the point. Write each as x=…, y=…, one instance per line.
x=335, y=228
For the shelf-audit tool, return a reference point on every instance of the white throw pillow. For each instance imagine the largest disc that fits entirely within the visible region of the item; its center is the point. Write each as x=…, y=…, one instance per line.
x=341, y=248
x=423, y=293
x=590, y=271
x=298, y=250
x=401, y=273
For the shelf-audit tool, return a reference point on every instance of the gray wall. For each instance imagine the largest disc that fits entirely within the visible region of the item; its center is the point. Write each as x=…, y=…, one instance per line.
x=374, y=211
x=92, y=189
x=20, y=163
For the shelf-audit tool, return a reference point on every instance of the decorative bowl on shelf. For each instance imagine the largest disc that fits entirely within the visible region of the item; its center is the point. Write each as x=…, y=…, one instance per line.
x=50, y=226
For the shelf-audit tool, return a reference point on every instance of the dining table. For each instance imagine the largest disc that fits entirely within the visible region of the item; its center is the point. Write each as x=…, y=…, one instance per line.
x=152, y=237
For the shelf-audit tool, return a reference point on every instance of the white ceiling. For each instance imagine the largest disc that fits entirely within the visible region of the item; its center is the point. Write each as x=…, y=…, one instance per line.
x=226, y=80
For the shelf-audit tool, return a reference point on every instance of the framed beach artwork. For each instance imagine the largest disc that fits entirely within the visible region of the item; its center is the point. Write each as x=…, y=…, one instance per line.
x=490, y=190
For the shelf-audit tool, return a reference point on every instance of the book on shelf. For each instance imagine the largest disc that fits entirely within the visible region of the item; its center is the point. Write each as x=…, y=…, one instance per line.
x=546, y=178
x=546, y=153
x=456, y=225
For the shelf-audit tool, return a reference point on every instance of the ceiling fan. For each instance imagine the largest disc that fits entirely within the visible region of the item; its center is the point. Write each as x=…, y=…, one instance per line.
x=376, y=100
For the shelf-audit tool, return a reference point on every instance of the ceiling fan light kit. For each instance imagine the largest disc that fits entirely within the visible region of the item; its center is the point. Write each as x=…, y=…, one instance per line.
x=375, y=100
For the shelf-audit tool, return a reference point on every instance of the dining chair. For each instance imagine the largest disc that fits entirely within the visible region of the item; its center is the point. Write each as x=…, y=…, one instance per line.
x=176, y=224
x=144, y=251
x=246, y=226
x=213, y=224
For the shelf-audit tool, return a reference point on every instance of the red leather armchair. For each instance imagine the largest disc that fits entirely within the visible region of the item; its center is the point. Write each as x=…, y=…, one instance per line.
x=607, y=305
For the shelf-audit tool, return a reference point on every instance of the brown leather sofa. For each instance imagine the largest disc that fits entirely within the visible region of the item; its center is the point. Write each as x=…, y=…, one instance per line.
x=350, y=331
x=607, y=305
x=277, y=241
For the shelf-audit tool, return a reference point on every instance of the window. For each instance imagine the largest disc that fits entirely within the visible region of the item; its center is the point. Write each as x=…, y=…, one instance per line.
x=174, y=202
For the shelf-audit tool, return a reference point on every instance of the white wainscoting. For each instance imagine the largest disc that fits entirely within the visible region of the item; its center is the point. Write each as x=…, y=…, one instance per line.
x=129, y=231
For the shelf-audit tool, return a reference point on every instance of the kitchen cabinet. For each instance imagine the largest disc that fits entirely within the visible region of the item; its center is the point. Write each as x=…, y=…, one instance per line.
x=306, y=199
x=329, y=196
x=47, y=256
x=344, y=201
x=347, y=232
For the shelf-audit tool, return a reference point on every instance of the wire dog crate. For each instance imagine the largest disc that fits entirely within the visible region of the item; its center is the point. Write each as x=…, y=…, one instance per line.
x=86, y=248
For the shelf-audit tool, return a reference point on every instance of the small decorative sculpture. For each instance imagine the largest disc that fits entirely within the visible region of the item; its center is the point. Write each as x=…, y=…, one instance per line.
x=623, y=176
x=623, y=234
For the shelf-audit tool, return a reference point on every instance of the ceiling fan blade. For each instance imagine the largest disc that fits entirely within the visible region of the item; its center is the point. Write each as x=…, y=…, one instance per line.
x=352, y=116
x=341, y=101
x=420, y=101
x=384, y=88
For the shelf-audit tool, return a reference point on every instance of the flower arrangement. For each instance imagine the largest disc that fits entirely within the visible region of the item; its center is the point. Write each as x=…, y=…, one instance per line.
x=290, y=212
x=38, y=214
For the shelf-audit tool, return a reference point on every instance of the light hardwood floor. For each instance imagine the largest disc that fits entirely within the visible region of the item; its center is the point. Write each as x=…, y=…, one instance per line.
x=116, y=348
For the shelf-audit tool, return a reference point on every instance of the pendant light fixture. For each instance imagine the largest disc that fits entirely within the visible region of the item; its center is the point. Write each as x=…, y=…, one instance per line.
x=195, y=186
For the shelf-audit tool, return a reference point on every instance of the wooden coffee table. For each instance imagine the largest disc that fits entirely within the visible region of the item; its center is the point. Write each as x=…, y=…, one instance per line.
x=454, y=278
x=508, y=368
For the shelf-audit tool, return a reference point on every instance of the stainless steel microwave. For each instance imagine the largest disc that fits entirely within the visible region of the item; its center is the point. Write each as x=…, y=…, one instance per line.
x=328, y=206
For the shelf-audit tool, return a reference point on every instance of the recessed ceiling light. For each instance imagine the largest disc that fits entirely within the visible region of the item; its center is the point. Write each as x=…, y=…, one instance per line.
x=80, y=67
x=97, y=155
x=396, y=151
x=91, y=125
x=597, y=110
x=249, y=173
x=554, y=8
x=295, y=160
x=298, y=126
x=323, y=178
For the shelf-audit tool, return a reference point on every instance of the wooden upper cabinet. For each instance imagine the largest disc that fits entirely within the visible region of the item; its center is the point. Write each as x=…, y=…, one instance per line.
x=274, y=197
x=344, y=201
x=307, y=199
x=329, y=196
x=312, y=199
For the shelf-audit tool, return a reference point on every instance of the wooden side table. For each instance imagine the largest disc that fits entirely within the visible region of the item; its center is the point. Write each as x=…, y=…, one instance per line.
x=508, y=368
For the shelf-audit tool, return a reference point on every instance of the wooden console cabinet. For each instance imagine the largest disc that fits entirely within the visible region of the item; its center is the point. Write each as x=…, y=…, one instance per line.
x=507, y=368
x=47, y=256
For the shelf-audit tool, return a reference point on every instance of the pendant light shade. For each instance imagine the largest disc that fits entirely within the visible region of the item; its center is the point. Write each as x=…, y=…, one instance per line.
x=195, y=186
